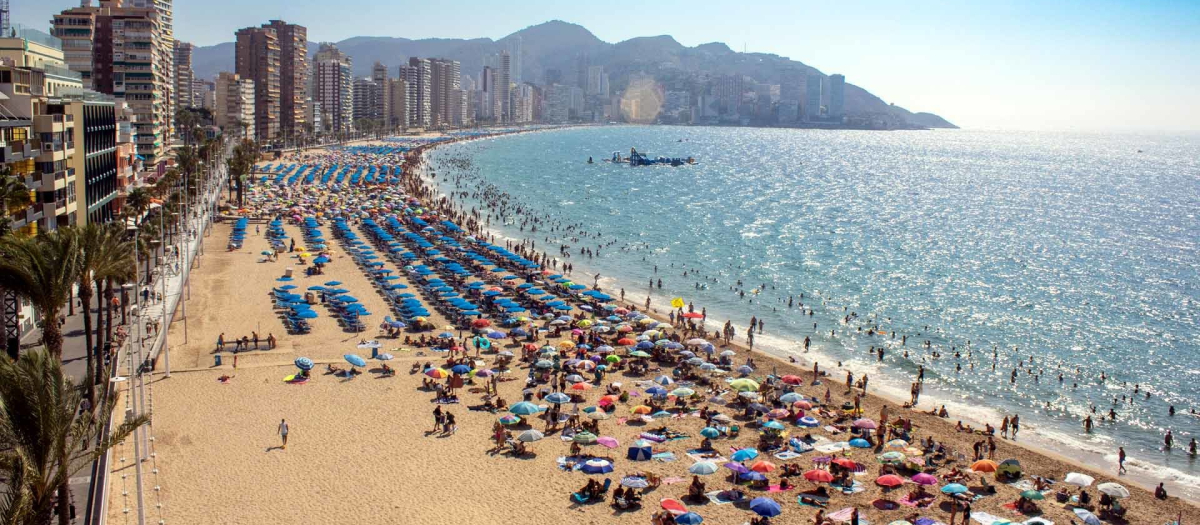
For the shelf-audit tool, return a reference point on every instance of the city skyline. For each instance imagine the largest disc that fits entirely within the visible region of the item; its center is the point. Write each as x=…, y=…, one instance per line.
x=1013, y=66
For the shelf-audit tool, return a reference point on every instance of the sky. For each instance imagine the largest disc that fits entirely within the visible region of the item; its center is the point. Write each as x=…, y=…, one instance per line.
x=1022, y=65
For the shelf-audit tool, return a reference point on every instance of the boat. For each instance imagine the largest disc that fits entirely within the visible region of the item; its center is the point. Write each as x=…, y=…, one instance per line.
x=638, y=159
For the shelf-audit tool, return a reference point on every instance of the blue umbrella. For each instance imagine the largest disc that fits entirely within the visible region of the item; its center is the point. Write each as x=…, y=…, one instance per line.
x=306, y=314
x=303, y=363
x=524, y=408
x=315, y=288
x=461, y=369
x=1087, y=517
x=446, y=335
x=752, y=476
x=558, y=398
x=954, y=488
x=766, y=507
x=860, y=443
x=333, y=283
x=745, y=454
x=288, y=287
x=690, y=518
x=355, y=360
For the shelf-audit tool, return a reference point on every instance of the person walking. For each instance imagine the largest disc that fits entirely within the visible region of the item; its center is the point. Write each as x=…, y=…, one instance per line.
x=1121, y=460
x=283, y=432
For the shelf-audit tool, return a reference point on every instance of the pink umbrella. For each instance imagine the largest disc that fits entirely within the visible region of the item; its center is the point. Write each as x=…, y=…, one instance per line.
x=803, y=405
x=611, y=442
x=924, y=479
x=865, y=423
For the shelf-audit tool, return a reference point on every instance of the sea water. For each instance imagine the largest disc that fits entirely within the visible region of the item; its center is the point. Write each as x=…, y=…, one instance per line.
x=1046, y=253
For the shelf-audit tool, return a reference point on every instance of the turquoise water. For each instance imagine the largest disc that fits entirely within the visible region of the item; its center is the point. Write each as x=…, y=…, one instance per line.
x=1073, y=249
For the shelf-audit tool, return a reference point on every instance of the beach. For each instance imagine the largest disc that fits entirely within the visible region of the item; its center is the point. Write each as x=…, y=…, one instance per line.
x=361, y=450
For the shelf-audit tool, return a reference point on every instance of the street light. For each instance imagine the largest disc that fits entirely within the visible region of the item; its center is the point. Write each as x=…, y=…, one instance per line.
x=135, y=375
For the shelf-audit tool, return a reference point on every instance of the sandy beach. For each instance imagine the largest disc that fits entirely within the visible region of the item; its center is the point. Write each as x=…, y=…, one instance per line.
x=361, y=450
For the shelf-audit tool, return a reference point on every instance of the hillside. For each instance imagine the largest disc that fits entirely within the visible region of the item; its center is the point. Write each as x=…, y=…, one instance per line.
x=560, y=45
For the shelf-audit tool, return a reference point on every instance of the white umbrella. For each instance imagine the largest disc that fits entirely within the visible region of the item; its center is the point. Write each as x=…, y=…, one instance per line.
x=1113, y=489
x=1079, y=480
x=529, y=436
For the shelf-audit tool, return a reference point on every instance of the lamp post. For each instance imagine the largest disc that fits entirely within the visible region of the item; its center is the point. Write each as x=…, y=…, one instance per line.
x=134, y=375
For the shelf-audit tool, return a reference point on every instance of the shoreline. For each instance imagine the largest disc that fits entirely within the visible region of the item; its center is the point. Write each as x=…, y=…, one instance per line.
x=893, y=397
x=367, y=440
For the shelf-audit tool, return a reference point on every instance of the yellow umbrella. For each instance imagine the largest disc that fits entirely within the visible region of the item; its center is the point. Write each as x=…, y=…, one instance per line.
x=641, y=409
x=744, y=385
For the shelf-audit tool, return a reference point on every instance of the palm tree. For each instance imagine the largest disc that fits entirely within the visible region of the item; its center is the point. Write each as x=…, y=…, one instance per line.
x=42, y=269
x=241, y=163
x=45, y=442
x=103, y=253
x=138, y=201
x=13, y=196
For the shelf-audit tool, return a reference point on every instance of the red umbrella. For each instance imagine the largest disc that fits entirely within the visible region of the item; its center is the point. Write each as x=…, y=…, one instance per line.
x=625, y=341
x=803, y=405
x=763, y=467
x=845, y=463
x=481, y=323
x=890, y=480
x=792, y=380
x=674, y=507
x=818, y=476
x=531, y=347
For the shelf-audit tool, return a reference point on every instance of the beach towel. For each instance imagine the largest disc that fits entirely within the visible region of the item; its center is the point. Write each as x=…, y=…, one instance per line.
x=717, y=497
x=832, y=430
x=800, y=447
x=812, y=498
x=854, y=488
x=885, y=504
x=1012, y=505
x=621, y=420
x=777, y=488
x=1038, y=521
x=652, y=437
x=927, y=521
x=830, y=448
x=984, y=518
x=672, y=480
x=698, y=455
x=664, y=457
x=786, y=455
x=841, y=515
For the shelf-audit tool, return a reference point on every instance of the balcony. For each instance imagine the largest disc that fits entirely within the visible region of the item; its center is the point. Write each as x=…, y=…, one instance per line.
x=54, y=180
x=50, y=123
x=16, y=150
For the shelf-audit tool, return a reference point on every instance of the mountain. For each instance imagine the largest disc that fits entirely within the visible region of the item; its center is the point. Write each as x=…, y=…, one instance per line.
x=565, y=47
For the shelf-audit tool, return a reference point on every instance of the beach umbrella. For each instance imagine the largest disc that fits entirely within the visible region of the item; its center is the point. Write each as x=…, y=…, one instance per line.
x=710, y=432
x=752, y=476
x=1032, y=495
x=581, y=387
x=773, y=425
x=355, y=360
x=765, y=507
x=529, y=436
x=984, y=465
x=663, y=380
x=744, y=385
x=1113, y=489
x=791, y=397
x=484, y=373
x=860, y=443
x=437, y=373
x=889, y=480
x=1009, y=466
x=557, y=398
x=896, y=444
x=607, y=441
x=509, y=419
x=745, y=454
x=303, y=363
x=524, y=408
x=818, y=476
x=689, y=518
x=924, y=479
x=333, y=283
x=1079, y=480
x=808, y=421
x=1087, y=517
x=763, y=466
x=597, y=466
x=585, y=438
x=673, y=506
x=703, y=468
x=792, y=380
x=661, y=414
x=866, y=424
x=737, y=467
x=955, y=488
x=892, y=457
x=598, y=415
x=461, y=369
x=683, y=392
x=639, y=452
x=778, y=413
x=544, y=363
x=634, y=482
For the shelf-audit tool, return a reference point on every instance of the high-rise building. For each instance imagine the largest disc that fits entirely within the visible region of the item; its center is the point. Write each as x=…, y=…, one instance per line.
x=233, y=104
x=367, y=100
x=293, y=76
x=558, y=103
x=127, y=52
x=837, y=96
x=397, y=109
x=514, y=50
x=335, y=88
x=95, y=161
x=33, y=78
x=379, y=74
x=419, y=76
x=812, y=96
x=444, y=78
x=504, y=86
x=399, y=104
x=728, y=91
x=791, y=94
x=184, y=76
x=594, y=75
x=489, y=99
x=256, y=58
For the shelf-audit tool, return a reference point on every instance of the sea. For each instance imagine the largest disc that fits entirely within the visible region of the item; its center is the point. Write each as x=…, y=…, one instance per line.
x=1006, y=258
